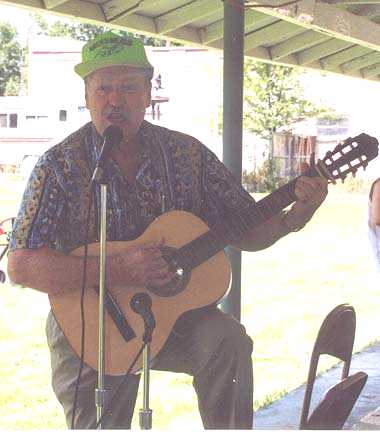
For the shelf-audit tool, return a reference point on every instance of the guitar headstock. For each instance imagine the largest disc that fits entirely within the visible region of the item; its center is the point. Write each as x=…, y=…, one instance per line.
x=348, y=156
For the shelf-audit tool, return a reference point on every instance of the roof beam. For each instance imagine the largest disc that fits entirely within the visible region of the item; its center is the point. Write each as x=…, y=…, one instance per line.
x=322, y=50
x=51, y=4
x=329, y=19
x=300, y=42
x=370, y=71
x=121, y=8
x=353, y=2
x=259, y=52
x=186, y=14
x=134, y=22
x=341, y=57
x=214, y=31
x=268, y=34
x=369, y=10
x=76, y=8
x=73, y=8
x=361, y=62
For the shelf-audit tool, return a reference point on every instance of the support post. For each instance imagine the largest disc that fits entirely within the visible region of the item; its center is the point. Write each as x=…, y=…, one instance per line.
x=233, y=65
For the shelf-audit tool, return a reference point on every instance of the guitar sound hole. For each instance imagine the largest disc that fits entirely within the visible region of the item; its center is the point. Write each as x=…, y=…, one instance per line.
x=181, y=275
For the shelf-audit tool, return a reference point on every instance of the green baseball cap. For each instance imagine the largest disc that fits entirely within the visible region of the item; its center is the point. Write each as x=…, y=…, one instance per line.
x=113, y=49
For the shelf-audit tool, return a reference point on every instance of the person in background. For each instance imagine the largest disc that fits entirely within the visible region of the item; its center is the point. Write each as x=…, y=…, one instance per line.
x=152, y=165
x=374, y=221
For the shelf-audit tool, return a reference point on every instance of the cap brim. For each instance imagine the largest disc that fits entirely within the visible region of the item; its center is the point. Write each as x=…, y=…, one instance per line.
x=85, y=69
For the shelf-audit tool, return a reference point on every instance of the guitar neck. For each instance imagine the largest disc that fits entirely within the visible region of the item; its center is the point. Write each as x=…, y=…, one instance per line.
x=213, y=241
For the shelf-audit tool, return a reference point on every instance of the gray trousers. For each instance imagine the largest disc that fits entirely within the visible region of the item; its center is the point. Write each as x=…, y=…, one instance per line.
x=207, y=344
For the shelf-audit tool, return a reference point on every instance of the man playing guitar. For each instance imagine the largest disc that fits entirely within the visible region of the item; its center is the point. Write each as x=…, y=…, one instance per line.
x=153, y=170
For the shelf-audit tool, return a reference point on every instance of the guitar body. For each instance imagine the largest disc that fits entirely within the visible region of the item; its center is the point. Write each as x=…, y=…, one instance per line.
x=208, y=283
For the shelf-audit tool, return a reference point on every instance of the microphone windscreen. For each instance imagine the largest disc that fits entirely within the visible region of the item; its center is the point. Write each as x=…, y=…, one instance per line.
x=140, y=302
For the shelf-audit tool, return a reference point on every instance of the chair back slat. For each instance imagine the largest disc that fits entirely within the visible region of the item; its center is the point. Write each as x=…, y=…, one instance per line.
x=332, y=412
x=335, y=338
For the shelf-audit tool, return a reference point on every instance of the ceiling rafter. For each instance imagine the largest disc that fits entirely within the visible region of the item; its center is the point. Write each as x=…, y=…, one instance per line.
x=269, y=34
x=214, y=31
x=370, y=71
x=297, y=43
x=319, y=51
x=121, y=8
x=74, y=8
x=51, y=4
x=361, y=62
x=343, y=56
x=186, y=15
x=330, y=19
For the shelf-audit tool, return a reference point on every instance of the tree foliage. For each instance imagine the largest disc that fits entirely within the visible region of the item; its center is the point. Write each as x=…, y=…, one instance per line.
x=273, y=98
x=11, y=55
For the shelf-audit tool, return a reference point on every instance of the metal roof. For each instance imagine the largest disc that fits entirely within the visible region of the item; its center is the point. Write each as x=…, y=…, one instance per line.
x=341, y=36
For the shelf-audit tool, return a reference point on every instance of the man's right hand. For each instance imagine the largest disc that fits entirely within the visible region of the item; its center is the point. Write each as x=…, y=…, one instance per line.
x=143, y=265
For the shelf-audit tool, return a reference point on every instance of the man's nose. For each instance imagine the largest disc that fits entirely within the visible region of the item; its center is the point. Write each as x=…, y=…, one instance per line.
x=116, y=98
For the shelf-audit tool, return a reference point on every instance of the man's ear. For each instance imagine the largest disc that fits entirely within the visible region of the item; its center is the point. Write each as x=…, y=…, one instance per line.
x=149, y=94
x=86, y=98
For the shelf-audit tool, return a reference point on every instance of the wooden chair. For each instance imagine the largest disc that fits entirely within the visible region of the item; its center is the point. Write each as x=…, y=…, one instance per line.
x=332, y=412
x=335, y=338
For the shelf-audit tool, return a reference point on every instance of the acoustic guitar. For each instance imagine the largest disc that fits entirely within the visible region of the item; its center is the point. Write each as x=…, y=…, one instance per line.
x=201, y=269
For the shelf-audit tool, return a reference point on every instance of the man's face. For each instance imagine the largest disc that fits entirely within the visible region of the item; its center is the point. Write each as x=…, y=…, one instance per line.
x=118, y=95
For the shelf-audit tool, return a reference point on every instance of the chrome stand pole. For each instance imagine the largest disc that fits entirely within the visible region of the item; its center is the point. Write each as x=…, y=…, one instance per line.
x=101, y=392
x=146, y=413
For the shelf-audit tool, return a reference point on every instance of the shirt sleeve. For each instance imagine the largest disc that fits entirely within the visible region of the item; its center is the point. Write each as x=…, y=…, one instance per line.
x=226, y=204
x=39, y=220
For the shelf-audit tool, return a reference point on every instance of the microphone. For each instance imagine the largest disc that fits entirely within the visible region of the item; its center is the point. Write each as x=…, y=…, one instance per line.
x=112, y=135
x=141, y=303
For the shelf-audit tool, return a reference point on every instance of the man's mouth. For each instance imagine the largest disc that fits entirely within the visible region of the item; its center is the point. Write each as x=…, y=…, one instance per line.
x=117, y=117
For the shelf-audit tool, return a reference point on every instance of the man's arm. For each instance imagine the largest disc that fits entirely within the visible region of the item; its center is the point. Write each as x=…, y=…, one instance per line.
x=310, y=193
x=53, y=272
x=49, y=271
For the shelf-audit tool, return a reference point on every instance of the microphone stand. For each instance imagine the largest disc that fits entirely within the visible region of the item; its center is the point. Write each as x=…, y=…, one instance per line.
x=100, y=176
x=113, y=135
x=145, y=414
x=141, y=303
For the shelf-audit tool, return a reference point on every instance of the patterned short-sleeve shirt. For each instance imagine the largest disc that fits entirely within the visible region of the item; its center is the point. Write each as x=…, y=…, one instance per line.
x=175, y=171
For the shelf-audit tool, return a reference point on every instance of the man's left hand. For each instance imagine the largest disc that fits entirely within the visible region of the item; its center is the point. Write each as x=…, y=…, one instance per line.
x=310, y=193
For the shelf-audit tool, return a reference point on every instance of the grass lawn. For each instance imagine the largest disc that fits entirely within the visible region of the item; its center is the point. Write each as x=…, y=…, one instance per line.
x=286, y=292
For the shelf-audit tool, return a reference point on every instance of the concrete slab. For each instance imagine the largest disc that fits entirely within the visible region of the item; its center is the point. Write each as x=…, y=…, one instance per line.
x=285, y=412
x=371, y=421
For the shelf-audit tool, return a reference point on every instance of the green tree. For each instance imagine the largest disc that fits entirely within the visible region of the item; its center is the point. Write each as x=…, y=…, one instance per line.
x=11, y=56
x=273, y=99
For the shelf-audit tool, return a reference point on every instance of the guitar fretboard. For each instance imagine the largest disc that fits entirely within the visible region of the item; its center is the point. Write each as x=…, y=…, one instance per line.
x=213, y=241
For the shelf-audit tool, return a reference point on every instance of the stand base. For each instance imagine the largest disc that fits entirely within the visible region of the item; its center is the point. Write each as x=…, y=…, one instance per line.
x=145, y=419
